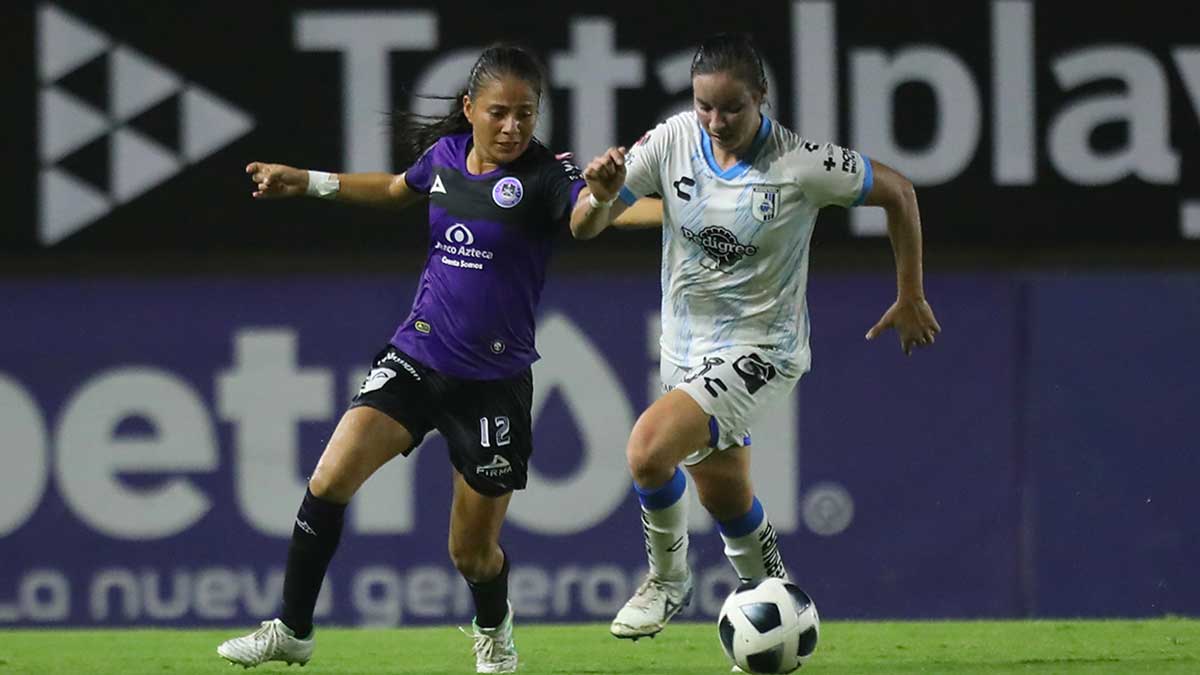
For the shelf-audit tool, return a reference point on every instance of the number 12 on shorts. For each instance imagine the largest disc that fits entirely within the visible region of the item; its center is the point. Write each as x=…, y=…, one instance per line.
x=502, y=427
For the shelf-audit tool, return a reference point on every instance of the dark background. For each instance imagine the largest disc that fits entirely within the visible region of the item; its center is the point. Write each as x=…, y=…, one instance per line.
x=203, y=219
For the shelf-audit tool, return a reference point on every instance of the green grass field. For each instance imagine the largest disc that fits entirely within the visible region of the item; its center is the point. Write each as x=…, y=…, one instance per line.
x=1151, y=646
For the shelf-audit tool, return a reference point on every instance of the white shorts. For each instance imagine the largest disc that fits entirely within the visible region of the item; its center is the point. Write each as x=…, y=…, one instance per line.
x=732, y=386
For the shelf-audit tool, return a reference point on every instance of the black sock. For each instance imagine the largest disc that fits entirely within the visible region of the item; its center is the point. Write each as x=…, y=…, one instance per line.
x=491, y=597
x=314, y=539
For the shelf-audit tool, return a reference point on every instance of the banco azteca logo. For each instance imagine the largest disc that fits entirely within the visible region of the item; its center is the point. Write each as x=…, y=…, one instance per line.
x=720, y=244
x=460, y=234
x=79, y=136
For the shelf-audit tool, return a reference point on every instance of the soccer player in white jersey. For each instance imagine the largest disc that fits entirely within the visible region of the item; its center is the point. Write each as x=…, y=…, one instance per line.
x=740, y=196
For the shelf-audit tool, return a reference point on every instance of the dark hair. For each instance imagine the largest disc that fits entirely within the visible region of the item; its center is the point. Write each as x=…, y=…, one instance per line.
x=414, y=133
x=732, y=53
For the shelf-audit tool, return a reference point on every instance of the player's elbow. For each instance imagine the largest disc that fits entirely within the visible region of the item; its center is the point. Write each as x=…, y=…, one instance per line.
x=906, y=192
x=583, y=230
x=893, y=190
x=906, y=196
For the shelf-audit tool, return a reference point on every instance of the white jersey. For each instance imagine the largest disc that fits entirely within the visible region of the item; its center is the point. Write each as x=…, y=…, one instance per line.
x=735, y=241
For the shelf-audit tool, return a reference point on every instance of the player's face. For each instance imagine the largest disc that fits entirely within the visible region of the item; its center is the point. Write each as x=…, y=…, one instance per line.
x=727, y=109
x=503, y=115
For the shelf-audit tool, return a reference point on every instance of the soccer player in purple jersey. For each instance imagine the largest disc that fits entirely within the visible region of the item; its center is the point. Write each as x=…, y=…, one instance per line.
x=460, y=362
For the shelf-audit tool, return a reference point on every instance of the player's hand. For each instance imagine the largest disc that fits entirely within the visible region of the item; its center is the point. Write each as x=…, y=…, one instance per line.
x=273, y=181
x=914, y=323
x=605, y=175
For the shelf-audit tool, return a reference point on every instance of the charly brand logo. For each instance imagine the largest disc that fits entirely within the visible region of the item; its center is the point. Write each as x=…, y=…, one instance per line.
x=508, y=192
x=135, y=86
x=720, y=244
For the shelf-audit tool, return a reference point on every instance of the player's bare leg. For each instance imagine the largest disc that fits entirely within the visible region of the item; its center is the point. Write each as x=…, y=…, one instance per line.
x=364, y=440
x=475, y=522
x=669, y=430
x=723, y=484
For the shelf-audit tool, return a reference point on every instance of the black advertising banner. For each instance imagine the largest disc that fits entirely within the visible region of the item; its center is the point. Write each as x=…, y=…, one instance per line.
x=127, y=124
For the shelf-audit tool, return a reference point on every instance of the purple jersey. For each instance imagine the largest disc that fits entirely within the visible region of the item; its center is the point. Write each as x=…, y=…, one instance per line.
x=490, y=237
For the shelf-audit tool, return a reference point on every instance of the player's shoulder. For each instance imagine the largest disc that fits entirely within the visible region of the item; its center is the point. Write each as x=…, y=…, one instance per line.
x=544, y=162
x=802, y=154
x=788, y=141
x=446, y=150
x=682, y=125
x=452, y=143
x=685, y=120
x=537, y=153
x=674, y=128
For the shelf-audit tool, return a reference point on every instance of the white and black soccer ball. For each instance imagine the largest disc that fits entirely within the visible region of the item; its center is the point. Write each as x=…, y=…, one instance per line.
x=769, y=626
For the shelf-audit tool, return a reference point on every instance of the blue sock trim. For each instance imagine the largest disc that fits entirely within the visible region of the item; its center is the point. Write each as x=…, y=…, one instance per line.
x=743, y=525
x=714, y=432
x=662, y=497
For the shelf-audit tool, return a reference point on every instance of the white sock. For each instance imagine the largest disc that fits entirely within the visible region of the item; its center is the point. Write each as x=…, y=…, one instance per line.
x=752, y=546
x=664, y=525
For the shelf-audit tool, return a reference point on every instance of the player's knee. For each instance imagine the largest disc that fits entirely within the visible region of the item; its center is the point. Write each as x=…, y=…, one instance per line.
x=470, y=559
x=648, y=456
x=331, y=485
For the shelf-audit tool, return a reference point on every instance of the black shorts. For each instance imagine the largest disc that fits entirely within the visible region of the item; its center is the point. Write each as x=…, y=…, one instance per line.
x=487, y=424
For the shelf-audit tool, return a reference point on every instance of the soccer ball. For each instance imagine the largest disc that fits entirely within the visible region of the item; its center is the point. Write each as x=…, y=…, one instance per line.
x=768, y=626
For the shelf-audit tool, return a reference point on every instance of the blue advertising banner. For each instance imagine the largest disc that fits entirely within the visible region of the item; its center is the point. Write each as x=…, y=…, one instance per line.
x=155, y=438
x=1113, y=444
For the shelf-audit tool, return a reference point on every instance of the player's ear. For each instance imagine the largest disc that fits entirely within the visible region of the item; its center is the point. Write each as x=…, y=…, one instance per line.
x=468, y=106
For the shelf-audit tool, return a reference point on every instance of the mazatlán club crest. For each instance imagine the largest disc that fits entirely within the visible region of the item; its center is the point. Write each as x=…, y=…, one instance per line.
x=508, y=192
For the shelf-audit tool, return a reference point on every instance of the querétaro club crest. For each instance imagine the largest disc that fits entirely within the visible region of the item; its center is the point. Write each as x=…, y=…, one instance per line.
x=721, y=245
x=764, y=203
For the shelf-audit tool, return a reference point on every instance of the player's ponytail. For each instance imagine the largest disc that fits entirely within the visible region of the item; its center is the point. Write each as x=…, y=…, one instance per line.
x=732, y=53
x=413, y=132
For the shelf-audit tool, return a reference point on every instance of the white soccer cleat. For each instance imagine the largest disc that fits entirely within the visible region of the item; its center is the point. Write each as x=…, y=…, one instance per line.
x=495, y=651
x=651, y=607
x=274, y=641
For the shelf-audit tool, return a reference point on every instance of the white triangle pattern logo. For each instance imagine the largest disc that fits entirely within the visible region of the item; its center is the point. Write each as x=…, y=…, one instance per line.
x=74, y=202
x=68, y=124
x=138, y=83
x=65, y=43
x=137, y=163
x=210, y=123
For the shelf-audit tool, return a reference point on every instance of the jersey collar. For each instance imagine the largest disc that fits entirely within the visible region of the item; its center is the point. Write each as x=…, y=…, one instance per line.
x=744, y=162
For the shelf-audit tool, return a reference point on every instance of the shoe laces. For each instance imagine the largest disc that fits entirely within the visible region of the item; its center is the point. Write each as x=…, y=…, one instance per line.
x=649, y=593
x=486, y=646
x=268, y=633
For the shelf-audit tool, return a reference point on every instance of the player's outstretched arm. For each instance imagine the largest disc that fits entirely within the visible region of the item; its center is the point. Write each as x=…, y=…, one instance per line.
x=275, y=181
x=597, y=204
x=645, y=213
x=910, y=314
